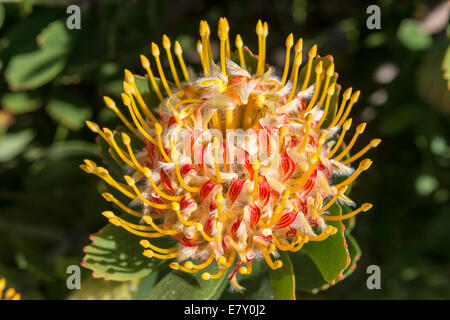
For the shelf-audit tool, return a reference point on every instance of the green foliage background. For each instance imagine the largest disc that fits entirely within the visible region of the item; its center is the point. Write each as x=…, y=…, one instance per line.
x=53, y=79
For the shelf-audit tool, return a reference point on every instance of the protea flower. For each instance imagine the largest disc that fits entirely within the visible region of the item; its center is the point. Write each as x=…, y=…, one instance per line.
x=224, y=201
x=10, y=294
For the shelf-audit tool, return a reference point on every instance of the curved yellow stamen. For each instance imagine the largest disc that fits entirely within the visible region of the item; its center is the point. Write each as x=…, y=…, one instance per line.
x=148, y=173
x=135, y=91
x=227, y=42
x=208, y=276
x=158, y=131
x=136, y=232
x=149, y=220
x=311, y=55
x=345, y=128
x=104, y=174
x=298, y=50
x=359, y=130
x=255, y=167
x=205, y=55
x=329, y=230
x=166, y=46
x=110, y=198
x=179, y=53
x=318, y=70
x=345, y=97
x=332, y=200
x=330, y=73
x=128, y=103
x=295, y=67
x=199, y=228
x=305, y=137
x=156, y=53
x=363, y=165
x=330, y=93
x=354, y=98
x=128, y=89
x=112, y=105
x=176, y=208
x=119, y=151
x=216, y=144
x=299, y=244
x=372, y=144
x=223, y=34
x=365, y=207
x=289, y=43
x=273, y=265
x=181, y=180
x=146, y=65
x=239, y=43
x=190, y=265
x=176, y=266
x=220, y=204
x=132, y=184
x=259, y=33
x=247, y=269
x=150, y=254
x=148, y=245
x=300, y=182
x=110, y=215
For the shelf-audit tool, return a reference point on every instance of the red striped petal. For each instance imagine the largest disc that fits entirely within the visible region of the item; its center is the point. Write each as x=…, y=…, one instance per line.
x=235, y=189
x=205, y=190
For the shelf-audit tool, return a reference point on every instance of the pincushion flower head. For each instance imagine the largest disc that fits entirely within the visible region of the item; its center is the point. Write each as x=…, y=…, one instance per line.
x=235, y=164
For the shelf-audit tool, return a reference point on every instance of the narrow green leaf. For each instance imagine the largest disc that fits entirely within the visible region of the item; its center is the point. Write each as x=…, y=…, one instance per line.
x=20, y=103
x=13, y=144
x=68, y=114
x=34, y=69
x=283, y=279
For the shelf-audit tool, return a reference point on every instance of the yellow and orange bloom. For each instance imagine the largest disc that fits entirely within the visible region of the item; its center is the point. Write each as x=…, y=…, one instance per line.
x=237, y=164
x=9, y=294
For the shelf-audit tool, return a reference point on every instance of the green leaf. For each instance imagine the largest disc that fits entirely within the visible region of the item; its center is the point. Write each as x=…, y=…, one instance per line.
x=99, y=289
x=13, y=144
x=307, y=277
x=35, y=69
x=178, y=285
x=413, y=36
x=20, y=103
x=283, y=279
x=64, y=149
x=55, y=35
x=146, y=285
x=115, y=254
x=68, y=114
x=330, y=255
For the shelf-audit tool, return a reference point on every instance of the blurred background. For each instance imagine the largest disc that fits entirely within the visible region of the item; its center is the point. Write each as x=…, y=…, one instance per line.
x=53, y=79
